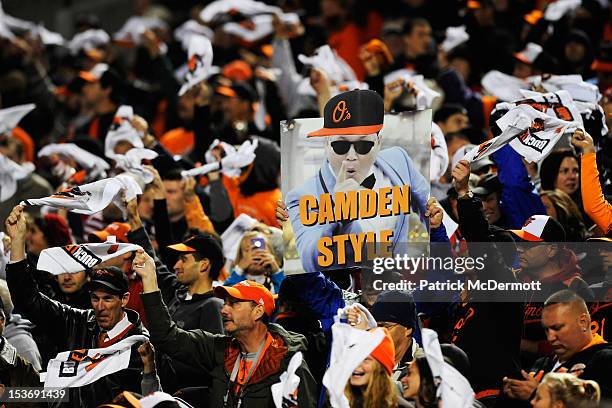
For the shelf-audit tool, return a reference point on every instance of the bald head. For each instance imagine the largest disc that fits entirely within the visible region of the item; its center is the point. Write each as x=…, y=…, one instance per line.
x=570, y=299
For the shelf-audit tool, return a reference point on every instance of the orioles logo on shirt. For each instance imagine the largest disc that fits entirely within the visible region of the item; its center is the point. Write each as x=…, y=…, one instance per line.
x=341, y=112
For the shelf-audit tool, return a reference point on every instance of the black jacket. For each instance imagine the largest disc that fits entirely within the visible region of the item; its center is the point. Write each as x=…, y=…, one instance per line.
x=202, y=311
x=597, y=361
x=72, y=329
x=488, y=330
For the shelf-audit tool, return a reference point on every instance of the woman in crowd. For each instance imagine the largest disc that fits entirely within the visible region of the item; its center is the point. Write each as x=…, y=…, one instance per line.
x=257, y=260
x=564, y=390
x=371, y=385
x=561, y=171
x=562, y=208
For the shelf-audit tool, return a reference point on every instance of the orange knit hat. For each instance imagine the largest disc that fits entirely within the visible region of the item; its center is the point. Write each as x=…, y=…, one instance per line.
x=384, y=353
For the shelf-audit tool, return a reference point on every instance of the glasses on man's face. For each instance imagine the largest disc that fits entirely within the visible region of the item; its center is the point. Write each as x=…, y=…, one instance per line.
x=361, y=147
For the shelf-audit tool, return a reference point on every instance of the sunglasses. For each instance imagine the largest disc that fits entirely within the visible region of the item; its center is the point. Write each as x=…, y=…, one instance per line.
x=343, y=146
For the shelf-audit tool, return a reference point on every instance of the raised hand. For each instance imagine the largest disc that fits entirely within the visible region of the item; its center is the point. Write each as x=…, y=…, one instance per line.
x=434, y=212
x=281, y=212
x=159, y=191
x=15, y=227
x=461, y=176
x=147, y=355
x=144, y=266
x=344, y=183
x=583, y=141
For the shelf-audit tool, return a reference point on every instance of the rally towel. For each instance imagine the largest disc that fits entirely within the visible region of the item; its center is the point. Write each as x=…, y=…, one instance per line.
x=285, y=392
x=86, y=199
x=350, y=347
x=199, y=62
x=531, y=133
x=558, y=104
x=10, y=173
x=131, y=162
x=416, y=85
x=122, y=130
x=76, y=368
x=76, y=258
x=326, y=59
x=453, y=389
x=95, y=165
x=231, y=164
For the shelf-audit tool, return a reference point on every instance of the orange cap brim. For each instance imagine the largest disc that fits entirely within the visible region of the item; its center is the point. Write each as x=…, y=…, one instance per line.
x=354, y=130
x=601, y=66
x=224, y=291
x=102, y=235
x=182, y=248
x=226, y=91
x=88, y=76
x=525, y=236
x=522, y=58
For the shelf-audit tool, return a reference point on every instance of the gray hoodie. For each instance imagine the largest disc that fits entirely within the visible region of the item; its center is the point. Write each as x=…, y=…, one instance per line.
x=18, y=333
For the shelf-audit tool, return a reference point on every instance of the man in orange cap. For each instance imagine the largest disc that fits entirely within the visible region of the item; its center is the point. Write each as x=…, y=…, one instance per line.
x=244, y=363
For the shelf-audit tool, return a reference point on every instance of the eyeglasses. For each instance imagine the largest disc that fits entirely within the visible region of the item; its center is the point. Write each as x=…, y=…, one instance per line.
x=361, y=147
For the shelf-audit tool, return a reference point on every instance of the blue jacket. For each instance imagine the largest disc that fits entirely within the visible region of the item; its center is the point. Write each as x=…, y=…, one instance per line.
x=520, y=199
x=276, y=278
x=395, y=164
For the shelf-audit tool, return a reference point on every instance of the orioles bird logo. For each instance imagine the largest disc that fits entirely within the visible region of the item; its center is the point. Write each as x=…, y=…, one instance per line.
x=529, y=221
x=341, y=112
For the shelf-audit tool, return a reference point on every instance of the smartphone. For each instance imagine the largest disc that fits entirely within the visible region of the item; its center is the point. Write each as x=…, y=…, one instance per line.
x=258, y=243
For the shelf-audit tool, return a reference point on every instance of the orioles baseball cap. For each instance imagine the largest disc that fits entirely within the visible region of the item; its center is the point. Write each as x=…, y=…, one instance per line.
x=248, y=290
x=384, y=353
x=117, y=229
x=110, y=279
x=541, y=228
x=358, y=112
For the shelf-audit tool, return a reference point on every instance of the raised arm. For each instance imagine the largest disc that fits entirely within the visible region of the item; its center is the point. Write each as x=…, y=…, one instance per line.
x=195, y=347
x=52, y=316
x=593, y=200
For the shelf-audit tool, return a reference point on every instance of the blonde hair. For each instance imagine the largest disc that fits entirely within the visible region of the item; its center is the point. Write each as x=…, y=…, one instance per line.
x=572, y=391
x=253, y=234
x=379, y=393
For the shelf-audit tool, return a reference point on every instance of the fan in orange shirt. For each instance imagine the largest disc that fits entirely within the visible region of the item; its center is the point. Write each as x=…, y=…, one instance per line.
x=256, y=191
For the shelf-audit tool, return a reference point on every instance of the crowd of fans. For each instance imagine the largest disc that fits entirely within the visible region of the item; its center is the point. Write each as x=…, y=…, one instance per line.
x=207, y=283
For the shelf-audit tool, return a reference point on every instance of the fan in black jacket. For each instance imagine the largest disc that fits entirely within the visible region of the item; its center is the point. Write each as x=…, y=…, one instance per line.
x=72, y=329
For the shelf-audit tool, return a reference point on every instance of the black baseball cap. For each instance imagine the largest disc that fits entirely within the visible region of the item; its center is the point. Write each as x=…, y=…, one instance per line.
x=357, y=112
x=395, y=306
x=205, y=244
x=239, y=89
x=489, y=183
x=110, y=279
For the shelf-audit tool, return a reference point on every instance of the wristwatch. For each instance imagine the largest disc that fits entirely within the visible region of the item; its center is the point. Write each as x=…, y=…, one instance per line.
x=466, y=196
